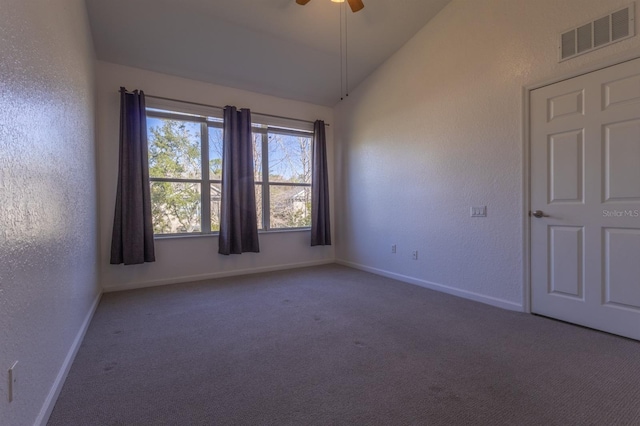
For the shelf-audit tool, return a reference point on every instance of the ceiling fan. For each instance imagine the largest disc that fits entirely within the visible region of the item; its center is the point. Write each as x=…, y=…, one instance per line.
x=355, y=5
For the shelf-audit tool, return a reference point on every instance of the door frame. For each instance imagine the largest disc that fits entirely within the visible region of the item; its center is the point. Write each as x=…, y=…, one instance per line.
x=630, y=55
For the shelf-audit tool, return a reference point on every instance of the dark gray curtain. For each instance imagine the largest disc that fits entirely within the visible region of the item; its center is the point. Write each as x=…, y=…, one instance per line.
x=238, y=222
x=320, y=224
x=132, y=238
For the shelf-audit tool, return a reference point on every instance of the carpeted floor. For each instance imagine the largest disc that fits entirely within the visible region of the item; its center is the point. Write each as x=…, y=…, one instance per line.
x=331, y=345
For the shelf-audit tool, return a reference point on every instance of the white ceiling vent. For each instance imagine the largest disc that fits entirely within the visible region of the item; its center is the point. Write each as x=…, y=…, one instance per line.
x=601, y=32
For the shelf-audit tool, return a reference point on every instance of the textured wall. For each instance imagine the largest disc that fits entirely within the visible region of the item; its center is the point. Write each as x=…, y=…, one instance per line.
x=48, y=214
x=188, y=258
x=437, y=129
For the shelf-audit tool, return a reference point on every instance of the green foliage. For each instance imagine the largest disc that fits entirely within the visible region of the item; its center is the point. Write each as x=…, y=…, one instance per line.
x=174, y=152
x=290, y=206
x=301, y=217
x=215, y=167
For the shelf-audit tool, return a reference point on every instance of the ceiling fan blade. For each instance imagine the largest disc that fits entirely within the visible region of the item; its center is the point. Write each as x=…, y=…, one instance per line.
x=302, y=2
x=356, y=5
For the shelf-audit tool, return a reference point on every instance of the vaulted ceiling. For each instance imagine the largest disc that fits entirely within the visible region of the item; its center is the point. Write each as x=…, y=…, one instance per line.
x=275, y=47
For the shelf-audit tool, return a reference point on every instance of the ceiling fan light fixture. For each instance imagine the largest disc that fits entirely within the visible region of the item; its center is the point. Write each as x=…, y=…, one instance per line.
x=355, y=5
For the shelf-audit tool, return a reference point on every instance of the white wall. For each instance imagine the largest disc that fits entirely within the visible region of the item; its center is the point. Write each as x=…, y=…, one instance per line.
x=48, y=214
x=437, y=129
x=191, y=258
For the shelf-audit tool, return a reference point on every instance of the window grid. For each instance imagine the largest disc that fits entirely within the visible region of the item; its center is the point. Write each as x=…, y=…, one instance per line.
x=204, y=182
x=267, y=184
x=264, y=185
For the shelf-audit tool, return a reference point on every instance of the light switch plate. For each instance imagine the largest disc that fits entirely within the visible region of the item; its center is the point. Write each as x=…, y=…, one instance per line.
x=479, y=211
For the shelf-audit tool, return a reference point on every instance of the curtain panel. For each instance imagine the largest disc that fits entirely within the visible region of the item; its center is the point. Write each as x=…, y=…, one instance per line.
x=238, y=221
x=132, y=238
x=320, y=221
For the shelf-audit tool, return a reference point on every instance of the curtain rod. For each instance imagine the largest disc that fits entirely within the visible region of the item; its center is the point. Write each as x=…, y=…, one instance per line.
x=221, y=108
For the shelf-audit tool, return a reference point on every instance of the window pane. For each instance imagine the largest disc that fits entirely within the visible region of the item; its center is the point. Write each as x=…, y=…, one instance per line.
x=289, y=158
x=257, y=157
x=259, y=205
x=175, y=207
x=216, y=196
x=174, y=148
x=215, y=153
x=290, y=206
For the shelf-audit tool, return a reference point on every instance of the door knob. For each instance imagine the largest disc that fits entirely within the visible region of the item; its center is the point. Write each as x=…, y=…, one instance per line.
x=539, y=214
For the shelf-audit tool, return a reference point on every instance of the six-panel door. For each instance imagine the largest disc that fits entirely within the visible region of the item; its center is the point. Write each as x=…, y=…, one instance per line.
x=585, y=178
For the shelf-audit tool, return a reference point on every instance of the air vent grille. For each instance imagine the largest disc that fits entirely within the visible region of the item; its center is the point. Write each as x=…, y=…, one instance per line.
x=568, y=44
x=585, y=38
x=601, y=32
x=620, y=24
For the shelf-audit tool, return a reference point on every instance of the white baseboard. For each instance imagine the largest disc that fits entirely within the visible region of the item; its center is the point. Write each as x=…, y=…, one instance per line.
x=50, y=401
x=236, y=272
x=493, y=301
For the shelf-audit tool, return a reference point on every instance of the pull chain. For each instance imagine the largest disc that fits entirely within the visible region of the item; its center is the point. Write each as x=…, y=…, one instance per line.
x=346, y=51
x=341, y=55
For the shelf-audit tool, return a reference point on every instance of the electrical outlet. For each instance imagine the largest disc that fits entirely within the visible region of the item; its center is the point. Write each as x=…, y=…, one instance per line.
x=393, y=249
x=480, y=211
x=13, y=381
x=414, y=255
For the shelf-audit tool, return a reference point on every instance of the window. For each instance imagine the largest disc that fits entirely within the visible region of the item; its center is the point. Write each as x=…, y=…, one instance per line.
x=283, y=177
x=185, y=171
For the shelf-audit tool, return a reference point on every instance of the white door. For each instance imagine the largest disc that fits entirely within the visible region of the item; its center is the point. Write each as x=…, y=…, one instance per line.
x=585, y=181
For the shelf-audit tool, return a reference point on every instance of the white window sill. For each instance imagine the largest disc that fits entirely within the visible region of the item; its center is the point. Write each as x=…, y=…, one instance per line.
x=271, y=231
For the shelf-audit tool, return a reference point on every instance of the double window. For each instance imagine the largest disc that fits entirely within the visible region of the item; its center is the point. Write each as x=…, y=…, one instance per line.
x=185, y=170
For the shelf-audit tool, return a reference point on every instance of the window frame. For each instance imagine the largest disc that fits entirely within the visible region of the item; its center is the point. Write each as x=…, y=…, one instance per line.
x=205, y=181
x=207, y=120
x=266, y=184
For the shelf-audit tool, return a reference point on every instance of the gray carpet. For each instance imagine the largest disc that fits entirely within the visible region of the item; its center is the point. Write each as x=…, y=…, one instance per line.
x=334, y=346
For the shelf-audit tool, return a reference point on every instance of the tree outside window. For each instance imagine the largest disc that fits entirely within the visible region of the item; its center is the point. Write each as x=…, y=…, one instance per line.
x=180, y=148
